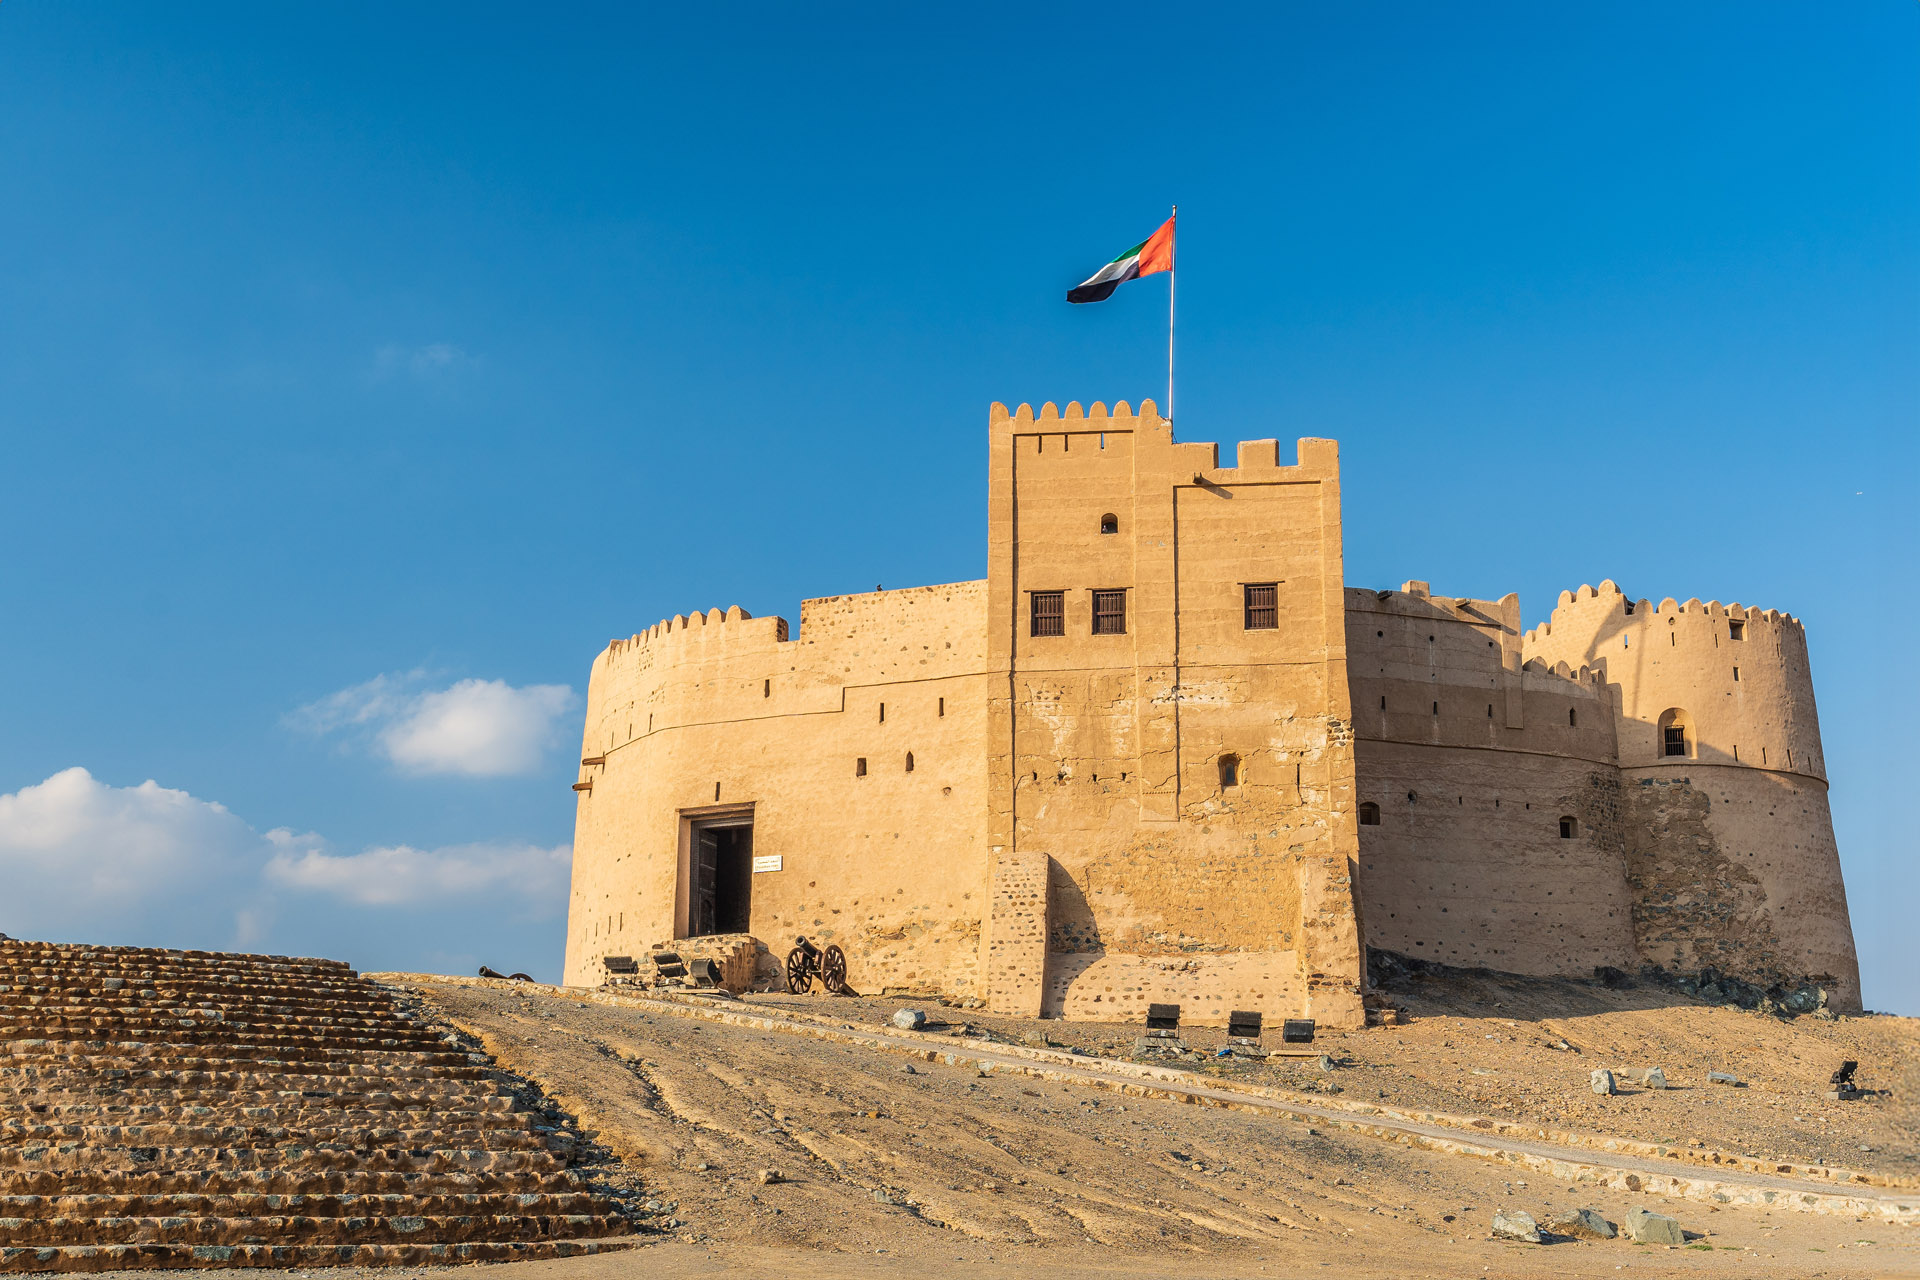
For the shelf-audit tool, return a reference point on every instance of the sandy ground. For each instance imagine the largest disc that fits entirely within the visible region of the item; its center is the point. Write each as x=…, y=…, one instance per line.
x=936, y=1171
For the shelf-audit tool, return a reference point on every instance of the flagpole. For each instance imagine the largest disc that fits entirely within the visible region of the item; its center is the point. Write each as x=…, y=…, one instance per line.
x=1172, y=255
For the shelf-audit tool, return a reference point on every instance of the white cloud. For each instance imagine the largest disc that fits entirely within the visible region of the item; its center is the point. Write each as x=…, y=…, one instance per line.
x=476, y=728
x=147, y=865
x=434, y=360
x=401, y=874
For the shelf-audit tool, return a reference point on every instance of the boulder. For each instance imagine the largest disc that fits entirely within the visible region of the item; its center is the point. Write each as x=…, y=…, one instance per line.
x=1649, y=1077
x=1653, y=1228
x=910, y=1019
x=1602, y=1082
x=1723, y=1077
x=1582, y=1224
x=1511, y=1224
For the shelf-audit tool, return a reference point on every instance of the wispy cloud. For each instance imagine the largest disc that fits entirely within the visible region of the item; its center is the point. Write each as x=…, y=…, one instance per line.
x=475, y=728
x=434, y=360
x=82, y=859
x=401, y=874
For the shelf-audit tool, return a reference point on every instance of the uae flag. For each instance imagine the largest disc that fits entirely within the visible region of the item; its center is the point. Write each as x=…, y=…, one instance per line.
x=1150, y=256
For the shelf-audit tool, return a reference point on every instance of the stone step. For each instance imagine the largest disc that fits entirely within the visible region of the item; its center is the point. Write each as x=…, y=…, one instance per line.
x=225, y=1044
x=78, y=1162
x=492, y=1136
x=358, y=1182
x=319, y=1206
x=307, y=1229
x=89, y=1258
x=369, y=1093
x=239, y=1072
x=62, y=1108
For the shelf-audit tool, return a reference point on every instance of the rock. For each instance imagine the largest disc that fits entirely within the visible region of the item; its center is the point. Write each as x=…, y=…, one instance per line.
x=886, y=1197
x=1653, y=1228
x=1723, y=1077
x=910, y=1019
x=1582, y=1224
x=906, y=1068
x=1651, y=1077
x=1602, y=1082
x=770, y=1176
x=1514, y=1225
x=113, y=984
x=1327, y=1063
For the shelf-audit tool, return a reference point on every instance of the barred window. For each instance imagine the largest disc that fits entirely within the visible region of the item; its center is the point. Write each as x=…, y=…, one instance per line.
x=1109, y=613
x=1263, y=606
x=1674, y=740
x=1049, y=613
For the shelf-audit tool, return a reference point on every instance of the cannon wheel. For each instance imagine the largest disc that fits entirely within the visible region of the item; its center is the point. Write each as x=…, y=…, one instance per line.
x=799, y=975
x=833, y=968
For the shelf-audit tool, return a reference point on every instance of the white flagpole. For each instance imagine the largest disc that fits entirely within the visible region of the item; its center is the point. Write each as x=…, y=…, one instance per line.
x=1171, y=262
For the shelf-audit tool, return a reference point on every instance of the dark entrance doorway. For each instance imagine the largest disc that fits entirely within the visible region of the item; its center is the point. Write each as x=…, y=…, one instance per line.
x=721, y=880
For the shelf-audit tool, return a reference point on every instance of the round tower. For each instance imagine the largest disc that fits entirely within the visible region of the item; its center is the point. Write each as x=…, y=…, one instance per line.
x=1730, y=848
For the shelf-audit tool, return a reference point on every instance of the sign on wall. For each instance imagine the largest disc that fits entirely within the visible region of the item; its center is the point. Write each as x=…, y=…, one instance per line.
x=765, y=862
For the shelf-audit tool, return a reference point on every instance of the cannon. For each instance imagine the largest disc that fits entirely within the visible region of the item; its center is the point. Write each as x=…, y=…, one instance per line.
x=807, y=962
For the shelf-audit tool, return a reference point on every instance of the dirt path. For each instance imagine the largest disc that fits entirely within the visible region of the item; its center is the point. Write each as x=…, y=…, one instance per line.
x=944, y=1169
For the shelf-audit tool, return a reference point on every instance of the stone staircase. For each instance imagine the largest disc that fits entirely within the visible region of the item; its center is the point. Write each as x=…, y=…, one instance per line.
x=196, y=1109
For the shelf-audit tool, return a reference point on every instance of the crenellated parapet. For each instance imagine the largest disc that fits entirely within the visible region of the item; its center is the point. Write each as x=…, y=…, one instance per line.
x=1693, y=681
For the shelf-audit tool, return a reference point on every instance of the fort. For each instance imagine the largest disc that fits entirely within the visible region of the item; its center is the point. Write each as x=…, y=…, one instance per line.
x=1163, y=753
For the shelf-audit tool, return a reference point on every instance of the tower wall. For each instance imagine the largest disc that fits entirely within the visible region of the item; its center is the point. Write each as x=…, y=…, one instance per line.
x=720, y=715
x=1731, y=854
x=1473, y=761
x=1168, y=881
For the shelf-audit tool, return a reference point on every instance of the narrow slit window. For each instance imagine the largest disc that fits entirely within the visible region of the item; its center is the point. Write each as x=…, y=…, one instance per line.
x=1436, y=708
x=1383, y=702
x=766, y=688
x=1049, y=613
x=1573, y=718
x=1109, y=613
x=883, y=713
x=860, y=767
x=1736, y=675
x=1569, y=828
x=1369, y=814
x=943, y=706
x=909, y=762
x=1263, y=606
x=1229, y=771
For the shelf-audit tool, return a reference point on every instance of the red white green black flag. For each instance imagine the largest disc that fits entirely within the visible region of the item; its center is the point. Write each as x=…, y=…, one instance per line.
x=1150, y=257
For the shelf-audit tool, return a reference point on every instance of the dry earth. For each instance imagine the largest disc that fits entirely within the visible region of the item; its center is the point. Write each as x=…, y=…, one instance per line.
x=940, y=1171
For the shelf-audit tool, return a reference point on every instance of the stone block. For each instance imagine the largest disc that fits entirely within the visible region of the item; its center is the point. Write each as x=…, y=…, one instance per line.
x=1653, y=1228
x=1511, y=1224
x=1583, y=1224
x=910, y=1019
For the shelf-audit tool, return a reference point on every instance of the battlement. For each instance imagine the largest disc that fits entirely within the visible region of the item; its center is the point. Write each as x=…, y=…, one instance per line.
x=1589, y=604
x=1254, y=460
x=733, y=624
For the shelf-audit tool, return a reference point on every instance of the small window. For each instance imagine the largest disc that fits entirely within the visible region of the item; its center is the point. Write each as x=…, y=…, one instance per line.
x=1263, y=606
x=1049, y=613
x=1109, y=524
x=1673, y=740
x=1573, y=718
x=1569, y=828
x=1736, y=631
x=1383, y=702
x=1109, y=613
x=1229, y=771
x=943, y=706
x=909, y=762
x=1436, y=708
x=1369, y=814
x=1736, y=675
x=883, y=713
x=766, y=688
x=860, y=767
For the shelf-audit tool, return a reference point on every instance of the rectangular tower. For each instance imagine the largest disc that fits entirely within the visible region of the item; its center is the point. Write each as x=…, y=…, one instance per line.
x=1169, y=746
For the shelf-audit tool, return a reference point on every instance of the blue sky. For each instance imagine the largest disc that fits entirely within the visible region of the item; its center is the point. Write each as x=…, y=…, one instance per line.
x=364, y=368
